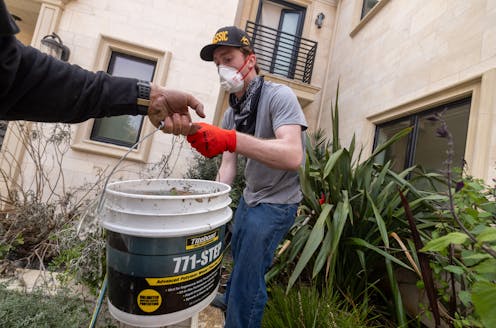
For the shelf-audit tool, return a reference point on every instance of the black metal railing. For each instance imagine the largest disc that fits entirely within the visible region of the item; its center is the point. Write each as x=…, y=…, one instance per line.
x=282, y=53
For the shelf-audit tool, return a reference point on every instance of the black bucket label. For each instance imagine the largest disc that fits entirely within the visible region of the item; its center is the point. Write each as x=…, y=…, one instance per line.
x=155, y=276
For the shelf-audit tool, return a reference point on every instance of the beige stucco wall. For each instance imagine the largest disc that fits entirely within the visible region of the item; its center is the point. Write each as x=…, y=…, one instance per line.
x=178, y=27
x=407, y=51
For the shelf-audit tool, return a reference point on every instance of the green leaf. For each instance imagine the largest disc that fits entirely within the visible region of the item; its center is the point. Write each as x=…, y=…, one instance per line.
x=443, y=242
x=487, y=235
x=465, y=297
x=487, y=269
x=454, y=269
x=298, y=242
x=431, y=197
x=338, y=223
x=484, y=300
x=321, y=258
x=489, y=207
x=332, y=162
x=471, y=258
x=380, y=222
x=311, y=245
x=390, y=141
x=361, y=242
x=398, y=302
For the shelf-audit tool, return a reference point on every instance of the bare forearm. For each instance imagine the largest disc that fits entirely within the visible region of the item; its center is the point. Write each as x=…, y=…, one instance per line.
x=276, y=153
x=227, y=170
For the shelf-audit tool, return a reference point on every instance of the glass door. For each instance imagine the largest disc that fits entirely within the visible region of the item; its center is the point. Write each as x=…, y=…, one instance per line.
x=287, y=43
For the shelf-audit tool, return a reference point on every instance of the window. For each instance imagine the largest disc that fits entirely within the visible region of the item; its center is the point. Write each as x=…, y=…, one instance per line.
x=366, y=10
x=287, y=21
x=422, y=146
x=367, y=6
x=112, y=137
x=123, y=130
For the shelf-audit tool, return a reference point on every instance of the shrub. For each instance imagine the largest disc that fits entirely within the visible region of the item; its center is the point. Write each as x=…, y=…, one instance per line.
x=20, y=310
x=341, y=238
x=463, y=246
x=44, y=221
x=306, y=307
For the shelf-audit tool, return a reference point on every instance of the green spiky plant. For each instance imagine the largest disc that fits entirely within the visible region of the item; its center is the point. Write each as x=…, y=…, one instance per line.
x=307, y=307
x=341, y=238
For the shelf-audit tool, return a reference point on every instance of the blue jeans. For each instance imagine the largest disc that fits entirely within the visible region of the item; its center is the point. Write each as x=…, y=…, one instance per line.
x=256, y=233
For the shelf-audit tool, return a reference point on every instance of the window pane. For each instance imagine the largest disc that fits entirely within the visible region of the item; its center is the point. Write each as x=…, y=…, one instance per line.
x=123, y=130
x=424, y=148
x=396, y=153
x=283, y=56
x=367, y=6
x=430, y=150
x=129, y=66
x=120, y=130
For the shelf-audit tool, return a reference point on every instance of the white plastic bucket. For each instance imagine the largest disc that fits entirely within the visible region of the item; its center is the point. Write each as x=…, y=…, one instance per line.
x=165, y=240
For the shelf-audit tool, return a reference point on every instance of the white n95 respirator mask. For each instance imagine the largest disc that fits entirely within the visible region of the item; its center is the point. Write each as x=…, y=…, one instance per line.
x=230, y=79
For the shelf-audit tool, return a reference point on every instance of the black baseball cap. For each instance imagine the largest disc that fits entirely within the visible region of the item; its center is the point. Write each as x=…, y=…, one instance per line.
x=225, y=36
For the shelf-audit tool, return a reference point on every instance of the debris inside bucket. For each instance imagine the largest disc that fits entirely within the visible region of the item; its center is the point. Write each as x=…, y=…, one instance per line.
x=168, y=192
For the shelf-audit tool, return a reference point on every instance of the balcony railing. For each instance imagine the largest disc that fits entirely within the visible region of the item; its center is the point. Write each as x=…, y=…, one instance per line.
x=282, y=53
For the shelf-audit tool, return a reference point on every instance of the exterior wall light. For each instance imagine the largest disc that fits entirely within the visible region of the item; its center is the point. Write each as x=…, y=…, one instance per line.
x=319, y=20
x=54, y=42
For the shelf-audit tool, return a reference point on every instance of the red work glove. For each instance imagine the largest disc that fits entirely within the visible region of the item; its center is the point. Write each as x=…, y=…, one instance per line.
x=211, y=141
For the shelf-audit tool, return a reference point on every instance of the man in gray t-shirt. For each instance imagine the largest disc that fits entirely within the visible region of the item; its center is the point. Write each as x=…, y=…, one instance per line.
x=264, y=123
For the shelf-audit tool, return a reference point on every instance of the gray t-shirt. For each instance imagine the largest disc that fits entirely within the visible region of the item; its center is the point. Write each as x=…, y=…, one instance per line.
x=277, y=106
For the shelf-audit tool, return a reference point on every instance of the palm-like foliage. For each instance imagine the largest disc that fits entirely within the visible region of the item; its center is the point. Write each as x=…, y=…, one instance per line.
x=341, y=236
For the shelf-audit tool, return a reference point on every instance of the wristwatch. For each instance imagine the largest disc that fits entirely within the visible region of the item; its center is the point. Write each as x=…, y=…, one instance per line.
x=143, y=100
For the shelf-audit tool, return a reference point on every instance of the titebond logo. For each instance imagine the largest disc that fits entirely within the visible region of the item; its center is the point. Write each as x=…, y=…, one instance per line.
x=149, y=300
x=202, y=240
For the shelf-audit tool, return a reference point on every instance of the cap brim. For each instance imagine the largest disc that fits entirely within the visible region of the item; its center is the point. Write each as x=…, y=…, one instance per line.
x=207, y=53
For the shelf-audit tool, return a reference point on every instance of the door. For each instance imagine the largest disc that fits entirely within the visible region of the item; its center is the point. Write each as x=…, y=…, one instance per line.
x=287, y=43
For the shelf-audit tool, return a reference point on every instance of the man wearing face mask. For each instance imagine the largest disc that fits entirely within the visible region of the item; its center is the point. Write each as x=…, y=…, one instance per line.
x=264, y=123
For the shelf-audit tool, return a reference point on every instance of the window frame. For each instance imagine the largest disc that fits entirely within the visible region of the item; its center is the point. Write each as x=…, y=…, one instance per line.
x=363, y=13
x=110, y=69
x=413, y=119
x=360, y=21
x=82, y=139
x=477, y=154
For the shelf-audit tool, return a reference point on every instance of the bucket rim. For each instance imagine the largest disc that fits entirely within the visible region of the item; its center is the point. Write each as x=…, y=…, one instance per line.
x=136, y=195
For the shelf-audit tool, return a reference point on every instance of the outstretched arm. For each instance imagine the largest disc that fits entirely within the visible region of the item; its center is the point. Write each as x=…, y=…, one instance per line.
x=38, y=87
x=285, y=152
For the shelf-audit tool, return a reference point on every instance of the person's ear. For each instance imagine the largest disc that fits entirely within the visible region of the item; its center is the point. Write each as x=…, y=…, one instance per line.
x=252, y=60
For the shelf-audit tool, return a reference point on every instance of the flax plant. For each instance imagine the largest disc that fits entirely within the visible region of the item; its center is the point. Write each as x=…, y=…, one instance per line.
x=341, y=239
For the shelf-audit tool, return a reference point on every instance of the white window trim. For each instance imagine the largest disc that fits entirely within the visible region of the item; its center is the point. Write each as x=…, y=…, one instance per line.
x=107, y=45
